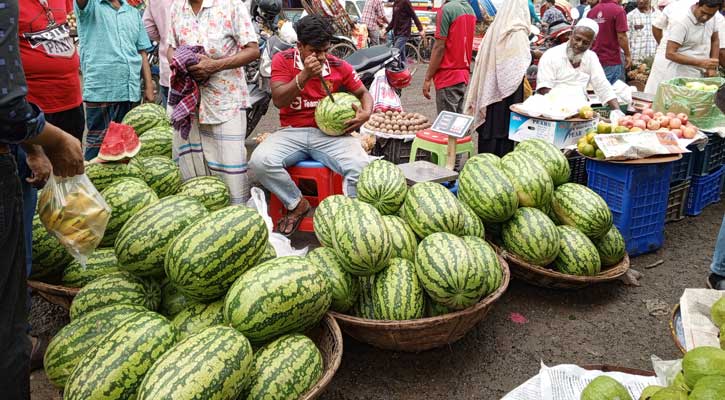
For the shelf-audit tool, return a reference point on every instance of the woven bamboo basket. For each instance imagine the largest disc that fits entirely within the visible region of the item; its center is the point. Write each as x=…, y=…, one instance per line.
x=425, y=333
x=56, y=294
x=611, y=368
x=673, y=328
x=328, y=338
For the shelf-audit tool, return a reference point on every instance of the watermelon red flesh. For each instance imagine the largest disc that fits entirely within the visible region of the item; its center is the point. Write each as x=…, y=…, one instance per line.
x=119, y=142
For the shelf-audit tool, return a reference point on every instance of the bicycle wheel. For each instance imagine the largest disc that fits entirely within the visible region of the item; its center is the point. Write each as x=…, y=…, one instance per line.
x=425, y=48
x=412, y=58
x=342, y=50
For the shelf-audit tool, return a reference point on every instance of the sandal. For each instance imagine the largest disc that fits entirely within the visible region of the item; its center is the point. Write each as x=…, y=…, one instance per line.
x=294, y=220
x=39, y=345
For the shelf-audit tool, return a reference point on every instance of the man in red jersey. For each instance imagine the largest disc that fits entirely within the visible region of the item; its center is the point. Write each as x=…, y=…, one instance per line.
x=612, y=39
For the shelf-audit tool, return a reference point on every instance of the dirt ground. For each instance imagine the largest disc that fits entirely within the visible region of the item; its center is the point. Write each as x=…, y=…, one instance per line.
x=610, y=324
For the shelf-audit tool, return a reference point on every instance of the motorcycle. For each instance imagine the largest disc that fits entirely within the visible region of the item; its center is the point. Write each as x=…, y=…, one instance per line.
x=366, y=62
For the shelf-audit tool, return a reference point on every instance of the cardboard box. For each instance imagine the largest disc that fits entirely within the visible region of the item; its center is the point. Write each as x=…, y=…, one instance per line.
x=559, y=133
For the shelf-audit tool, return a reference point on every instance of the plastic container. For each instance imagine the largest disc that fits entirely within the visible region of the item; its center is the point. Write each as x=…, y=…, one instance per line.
x=711, y=158
x=682, y=169
x=397, y=151
x=637, y=196
x=677, y=201
x=704, y=190
x=578, y=167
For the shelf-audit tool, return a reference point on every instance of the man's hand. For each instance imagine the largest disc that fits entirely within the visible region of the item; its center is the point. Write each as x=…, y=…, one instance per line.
x=426, y=88
x=204, y=69
x=709, y=63
x=627, y=61
x=65, y=156
x=39, y=165
x=711, y=73
x=638, y=27
x=361, y=116
x=149, y=94
x=312, y=68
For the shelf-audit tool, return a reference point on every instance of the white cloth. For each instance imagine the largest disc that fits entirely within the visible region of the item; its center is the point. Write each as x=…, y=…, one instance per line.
x=555, y=69
x=502, y=60
x=589, y=23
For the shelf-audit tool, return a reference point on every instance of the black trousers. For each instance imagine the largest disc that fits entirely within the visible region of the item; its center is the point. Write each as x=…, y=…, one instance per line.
x=72, y=121
x=14, y=342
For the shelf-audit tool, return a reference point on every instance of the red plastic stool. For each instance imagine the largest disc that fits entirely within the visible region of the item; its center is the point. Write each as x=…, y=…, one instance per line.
x=327, y=184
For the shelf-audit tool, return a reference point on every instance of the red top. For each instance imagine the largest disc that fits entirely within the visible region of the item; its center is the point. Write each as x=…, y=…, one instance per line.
x=455, y=23
x=611, y=18
x=301, y=113
x=50, y=59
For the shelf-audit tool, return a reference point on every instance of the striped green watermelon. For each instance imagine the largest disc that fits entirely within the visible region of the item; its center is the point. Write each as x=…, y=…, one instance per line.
x=101, y=262
x=160, y=173
x=402, y=237
x=382, y=185
x=103, y=174
x=116, y=288
x=488, y=157
x=611, y=247
x=172, y=301
x=488, y=191
x=433, y=309
x=49, y=256
x=114, y=368
x=360, y=239
x=269, y=253
x=211, y=191
x=331, y=116
x=397, y=292
x=126, y=197
x=344, y=286
x=550, y=157
x=578, y=206
x=146, y=116
x=211, y=253
x=156, y=142
x=284, y=295
x=486, y=259
x=430, y=207
x=212, y=364
x=531, y=236
x=533, y=184
x=142, y=243
x=284, y=369
x=577, y=254
x=472, y=225
x=548, y=209
x=448, y=271
x=198, y=316
x=74, y=340
x=324, y=218
x=365, y=307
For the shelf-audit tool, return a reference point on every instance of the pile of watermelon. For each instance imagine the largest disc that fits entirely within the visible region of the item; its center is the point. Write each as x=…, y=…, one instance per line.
x=530, y=208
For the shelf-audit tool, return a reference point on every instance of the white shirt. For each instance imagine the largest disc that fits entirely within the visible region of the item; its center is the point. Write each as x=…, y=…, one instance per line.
x=694, y=39
x=555, y=69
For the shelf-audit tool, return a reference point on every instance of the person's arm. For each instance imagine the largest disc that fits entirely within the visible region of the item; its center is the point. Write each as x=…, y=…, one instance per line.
x=532, y=13
x=148, y=81
x=380, y=12
x=436, y=56
x=62, y=149
x=208, y=66
x=601, y=85
x=657, y=33
x=150, y=24
x=362, y=113
x=673, y=55
x=414, y=17
x=38, y=163
x=287, y=84
x=714, y=53
x=546, y=73
x=621, y=27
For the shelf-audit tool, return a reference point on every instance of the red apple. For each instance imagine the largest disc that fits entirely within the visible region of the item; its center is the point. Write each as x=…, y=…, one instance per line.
x=653, y=125
x=637, y=116
x=677, y=132
x=671, y=115
x=648, y=112
x=675, y=123
x=658, y=114
x=689, y=133
x=665, y=122
x=683, y=118
x=639, y=124
x=646, y=118
x=628, y=124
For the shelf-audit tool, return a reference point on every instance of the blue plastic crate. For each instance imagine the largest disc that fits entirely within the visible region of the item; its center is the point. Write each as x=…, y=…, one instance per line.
x=711, y=158
x=705, y=190
x=682, y=169
x=637, y=195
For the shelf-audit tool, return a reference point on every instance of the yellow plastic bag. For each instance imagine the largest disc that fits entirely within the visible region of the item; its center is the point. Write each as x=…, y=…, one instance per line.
x=74, y=211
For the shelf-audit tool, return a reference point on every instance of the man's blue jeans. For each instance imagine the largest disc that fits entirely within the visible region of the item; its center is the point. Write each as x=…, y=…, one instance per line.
x=718, y=258
x=399, y=43
x=614, y=73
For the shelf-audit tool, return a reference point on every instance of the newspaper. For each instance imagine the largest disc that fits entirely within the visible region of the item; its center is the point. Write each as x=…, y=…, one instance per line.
x=695, y=308
x=632, y=146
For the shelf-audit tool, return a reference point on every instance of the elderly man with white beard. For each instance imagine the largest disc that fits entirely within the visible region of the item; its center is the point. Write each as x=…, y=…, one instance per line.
x=573, y=64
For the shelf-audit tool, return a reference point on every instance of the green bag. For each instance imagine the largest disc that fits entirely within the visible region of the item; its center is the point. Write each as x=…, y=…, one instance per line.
x=674, y=96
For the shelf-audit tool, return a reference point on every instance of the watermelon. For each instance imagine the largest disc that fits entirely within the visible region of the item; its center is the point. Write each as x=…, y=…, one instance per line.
x=212, y=252
x=120, y=141
x=172, y=301
x=101, y=262
x=430, y=207
x=397, y=292
x=269, y=253
x=146, y=116
x=531, y=236
x=364, y=308
x=114, y=368
x=577, y=254
x=142, y=243
x=49, y=256
x=284, y=295
x=331, y=116
x=160, y=173
x=578, y=206
x=344, y=286
x=402, y=237
x=448, y=271
x=360, y=239
x=156, y=142
x=472, y=225
x=198, y=316
x=212, y=364
x=74, y=340
x=486, y=259
x=488, y=191
x=284, y=369
x=556, y=164
x=611, y=247
x=382, y=185
x=116, y=288
x=433, y=309
x=126, y=197
x=533, y=184
x=211, y=191
x=103, y=174
x=324, y=217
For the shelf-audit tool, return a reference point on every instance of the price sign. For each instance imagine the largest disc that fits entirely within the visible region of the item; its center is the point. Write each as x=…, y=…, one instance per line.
x=452, y=124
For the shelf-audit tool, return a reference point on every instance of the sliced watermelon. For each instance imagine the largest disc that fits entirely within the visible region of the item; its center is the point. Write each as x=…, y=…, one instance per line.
x=120, y=142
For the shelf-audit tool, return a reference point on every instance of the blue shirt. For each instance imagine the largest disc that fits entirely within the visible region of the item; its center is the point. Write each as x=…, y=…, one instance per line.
x=110, y=40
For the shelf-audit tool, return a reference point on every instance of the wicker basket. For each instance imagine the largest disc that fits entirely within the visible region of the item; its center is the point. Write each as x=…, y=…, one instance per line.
x=56, y=294
x=673, y=328
x=611, y=368
x=328, y=338
x=425, y=333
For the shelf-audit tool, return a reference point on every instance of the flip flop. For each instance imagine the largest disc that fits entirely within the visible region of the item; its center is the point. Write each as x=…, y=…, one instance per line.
x=295, y=225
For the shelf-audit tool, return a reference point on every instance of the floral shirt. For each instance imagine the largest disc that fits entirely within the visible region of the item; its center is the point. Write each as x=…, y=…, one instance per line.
x=223, y=28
